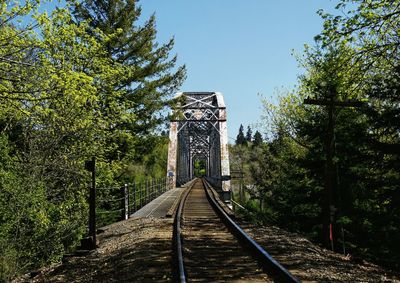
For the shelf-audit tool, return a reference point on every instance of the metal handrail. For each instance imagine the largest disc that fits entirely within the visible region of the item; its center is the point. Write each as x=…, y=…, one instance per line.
x=134, y=195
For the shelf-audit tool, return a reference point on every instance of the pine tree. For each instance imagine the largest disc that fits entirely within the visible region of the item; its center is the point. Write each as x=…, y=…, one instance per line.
x=249, y=134
x=149, y=78
x=240, y=139
x=257, y=139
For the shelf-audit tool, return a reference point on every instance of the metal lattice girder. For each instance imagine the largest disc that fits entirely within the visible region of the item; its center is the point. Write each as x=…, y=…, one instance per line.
x=199, y=133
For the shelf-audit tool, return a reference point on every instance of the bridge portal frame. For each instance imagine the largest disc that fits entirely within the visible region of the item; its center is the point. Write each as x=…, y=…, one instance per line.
x=199, y=130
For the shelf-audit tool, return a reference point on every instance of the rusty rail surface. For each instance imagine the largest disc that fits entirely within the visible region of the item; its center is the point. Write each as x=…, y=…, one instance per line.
x=210, y=246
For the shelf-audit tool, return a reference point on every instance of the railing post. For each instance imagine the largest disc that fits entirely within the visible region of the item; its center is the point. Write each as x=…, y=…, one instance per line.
x=122, y=202
x=134, y=196
x=147, y=191
x=143, y=192
x=152, y=189
x=92, y=206
x=90, y=242
x=141, y=195
x=126, y=199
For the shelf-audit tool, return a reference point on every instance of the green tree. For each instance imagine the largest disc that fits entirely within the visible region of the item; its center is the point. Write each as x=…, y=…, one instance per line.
x=240, y=138
x=249, y=134
x=371, y=27
x=150, y=75
x=49, y=124
x=62, y=100
x=357, y=60
x=257, y=139
x=372, y=30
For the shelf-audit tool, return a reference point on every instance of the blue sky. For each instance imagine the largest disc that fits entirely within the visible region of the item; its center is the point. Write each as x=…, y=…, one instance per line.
x=241, y=48
x=238, y=47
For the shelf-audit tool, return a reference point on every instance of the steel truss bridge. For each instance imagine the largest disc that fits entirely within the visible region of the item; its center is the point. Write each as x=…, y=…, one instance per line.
x=198, y=133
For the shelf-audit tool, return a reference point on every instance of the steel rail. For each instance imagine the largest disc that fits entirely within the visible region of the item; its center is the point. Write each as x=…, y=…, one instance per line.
x=178, y=237
x=265, y=259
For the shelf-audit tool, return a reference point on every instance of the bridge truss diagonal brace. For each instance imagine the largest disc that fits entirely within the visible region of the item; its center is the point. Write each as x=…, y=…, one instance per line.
x=199, y=133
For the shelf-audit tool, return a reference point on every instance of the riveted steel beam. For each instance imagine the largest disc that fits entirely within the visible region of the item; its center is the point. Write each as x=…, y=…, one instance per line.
x=198, y=130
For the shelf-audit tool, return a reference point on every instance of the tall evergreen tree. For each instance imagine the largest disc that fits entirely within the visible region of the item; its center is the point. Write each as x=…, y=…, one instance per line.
x=149, y=78
x=249, y=134
x=257, y=139
x=240, y=139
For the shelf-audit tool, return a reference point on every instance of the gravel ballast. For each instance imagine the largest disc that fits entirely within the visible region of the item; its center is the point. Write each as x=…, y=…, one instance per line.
x=140, y=250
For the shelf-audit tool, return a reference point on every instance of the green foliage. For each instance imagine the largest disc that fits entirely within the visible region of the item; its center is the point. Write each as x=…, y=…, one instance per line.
x=357, y=60
x=199, y=168
x=149, y=75
x=240, y=138
x=257, y=139
x=249, y=134
x=66, y=96
x=371, y=28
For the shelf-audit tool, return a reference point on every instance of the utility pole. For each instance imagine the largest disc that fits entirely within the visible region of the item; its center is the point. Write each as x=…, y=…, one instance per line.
x=329, y=208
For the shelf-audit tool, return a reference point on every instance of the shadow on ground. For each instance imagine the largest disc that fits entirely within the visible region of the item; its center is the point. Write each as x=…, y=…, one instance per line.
x=135, y=251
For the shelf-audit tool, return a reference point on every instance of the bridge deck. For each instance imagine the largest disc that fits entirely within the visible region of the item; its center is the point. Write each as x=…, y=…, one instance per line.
x=159, y=207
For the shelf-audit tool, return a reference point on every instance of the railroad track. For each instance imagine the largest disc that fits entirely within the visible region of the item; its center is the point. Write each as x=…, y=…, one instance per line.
x=210, y=247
